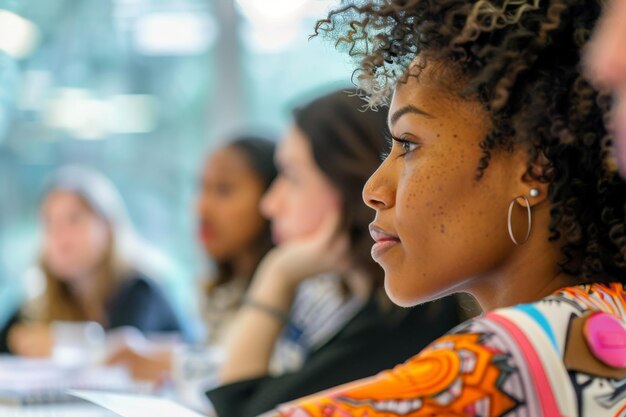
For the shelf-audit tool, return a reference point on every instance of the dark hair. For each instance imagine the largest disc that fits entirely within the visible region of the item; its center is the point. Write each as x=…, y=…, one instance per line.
x=522, y=60
x=259, y=154
x=347, y=141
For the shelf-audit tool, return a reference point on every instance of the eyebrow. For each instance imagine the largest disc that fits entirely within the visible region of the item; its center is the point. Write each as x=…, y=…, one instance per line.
x=406, y=110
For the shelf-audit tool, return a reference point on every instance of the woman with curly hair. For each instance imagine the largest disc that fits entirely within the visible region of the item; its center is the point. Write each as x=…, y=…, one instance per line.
x=500, y=183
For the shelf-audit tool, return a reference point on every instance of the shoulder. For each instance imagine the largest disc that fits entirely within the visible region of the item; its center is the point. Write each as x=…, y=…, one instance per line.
x=547, y=322
x=544, y=328
x=544, y=350
x=137, y=282
x=138, y=301
x=137, y=288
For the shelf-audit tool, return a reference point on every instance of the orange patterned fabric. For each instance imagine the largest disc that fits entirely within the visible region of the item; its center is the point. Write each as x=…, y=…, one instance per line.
x=508, y=362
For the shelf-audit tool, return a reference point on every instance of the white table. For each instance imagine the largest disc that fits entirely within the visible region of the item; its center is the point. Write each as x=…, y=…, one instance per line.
x=19, y=374
x=56, y=410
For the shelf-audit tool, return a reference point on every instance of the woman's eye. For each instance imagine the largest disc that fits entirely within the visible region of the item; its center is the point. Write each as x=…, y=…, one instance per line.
x=407, y=146
x=224, y=190
x=74, y=218
x=389, y=139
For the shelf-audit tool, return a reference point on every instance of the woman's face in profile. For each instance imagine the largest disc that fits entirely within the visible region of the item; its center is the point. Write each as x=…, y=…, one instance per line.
x=437, y=225
x=227, y=205
x=75, y=239
x=301, y=196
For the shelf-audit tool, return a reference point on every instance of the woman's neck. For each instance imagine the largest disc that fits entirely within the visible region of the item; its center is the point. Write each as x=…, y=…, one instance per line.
x=245, y=264
x=529, y=273
x=87, y=293
x=528, y=276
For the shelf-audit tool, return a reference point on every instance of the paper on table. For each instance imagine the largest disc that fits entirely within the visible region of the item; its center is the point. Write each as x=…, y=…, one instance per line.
x=135, y=405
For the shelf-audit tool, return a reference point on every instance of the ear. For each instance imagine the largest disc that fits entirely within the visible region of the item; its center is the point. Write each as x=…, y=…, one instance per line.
x=530, y=179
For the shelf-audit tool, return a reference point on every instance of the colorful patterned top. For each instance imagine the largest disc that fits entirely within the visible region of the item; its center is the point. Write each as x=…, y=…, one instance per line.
x=562, y=356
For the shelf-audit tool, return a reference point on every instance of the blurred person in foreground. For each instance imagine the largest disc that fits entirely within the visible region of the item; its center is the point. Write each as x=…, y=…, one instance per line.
x=93, y=267
x=606, y=64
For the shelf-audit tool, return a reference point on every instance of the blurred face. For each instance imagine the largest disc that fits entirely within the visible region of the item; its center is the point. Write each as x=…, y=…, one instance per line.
x=228, y=205
x=75, y=239
x=607, y=66
x=437, y=227
x=301, y=196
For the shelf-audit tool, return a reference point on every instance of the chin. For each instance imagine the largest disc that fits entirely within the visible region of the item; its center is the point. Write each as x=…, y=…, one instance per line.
x=64, y=275
x=398, y=297
x=278, y=237
x=408, y=297
x=216, y=253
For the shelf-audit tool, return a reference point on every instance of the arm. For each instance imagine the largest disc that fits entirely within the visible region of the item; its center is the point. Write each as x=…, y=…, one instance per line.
x=258, y=324
x=154, y=364
x=255, y=330
x=19, y=337
x=4, y=332
x=343, y=359
x=31, y=340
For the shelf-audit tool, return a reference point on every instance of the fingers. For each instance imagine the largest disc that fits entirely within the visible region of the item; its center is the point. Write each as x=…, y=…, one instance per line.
x=31, y=340
x=126, y=357
x=120, y=356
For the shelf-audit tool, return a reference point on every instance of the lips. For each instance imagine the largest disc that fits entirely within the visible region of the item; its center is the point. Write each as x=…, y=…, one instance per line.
x=384, y=241
x=206, y=232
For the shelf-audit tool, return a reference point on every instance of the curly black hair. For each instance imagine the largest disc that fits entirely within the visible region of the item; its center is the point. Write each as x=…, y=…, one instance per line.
x=522, y=60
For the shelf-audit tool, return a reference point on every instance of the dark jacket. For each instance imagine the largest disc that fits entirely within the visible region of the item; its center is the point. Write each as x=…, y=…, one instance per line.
x=377, y=338
x=137, y=302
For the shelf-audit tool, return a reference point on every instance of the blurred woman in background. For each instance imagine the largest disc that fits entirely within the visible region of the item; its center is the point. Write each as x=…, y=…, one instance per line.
x=234, y=235
x=231, y=228
x=315, y=314
x=94, y=267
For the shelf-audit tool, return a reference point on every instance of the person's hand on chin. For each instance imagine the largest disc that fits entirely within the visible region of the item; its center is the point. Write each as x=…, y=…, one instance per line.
x=286, y=266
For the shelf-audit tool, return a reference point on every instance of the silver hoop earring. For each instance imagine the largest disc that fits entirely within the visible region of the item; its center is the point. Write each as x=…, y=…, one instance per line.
x=510, y=222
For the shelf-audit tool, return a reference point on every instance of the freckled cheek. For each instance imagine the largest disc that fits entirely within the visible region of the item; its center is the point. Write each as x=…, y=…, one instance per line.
x=435, y=206
x=421, y=211
x=412, y=191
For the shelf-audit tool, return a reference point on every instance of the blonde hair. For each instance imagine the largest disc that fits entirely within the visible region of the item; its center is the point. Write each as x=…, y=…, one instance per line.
x=58, y=303
x=125, y=254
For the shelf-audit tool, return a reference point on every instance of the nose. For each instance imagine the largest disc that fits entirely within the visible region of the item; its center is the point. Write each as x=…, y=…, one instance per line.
x=201, y=203
x=606, y=60
x=378, y=192
x=271, y=199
